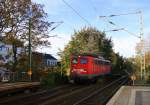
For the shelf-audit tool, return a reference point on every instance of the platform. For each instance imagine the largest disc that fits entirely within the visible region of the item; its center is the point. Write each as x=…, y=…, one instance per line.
x=131, y=95
x=6, y=88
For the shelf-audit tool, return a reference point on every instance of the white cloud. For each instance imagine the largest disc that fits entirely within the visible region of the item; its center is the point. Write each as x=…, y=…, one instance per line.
x=126, y=47
x=146, y=31
x=56, y=43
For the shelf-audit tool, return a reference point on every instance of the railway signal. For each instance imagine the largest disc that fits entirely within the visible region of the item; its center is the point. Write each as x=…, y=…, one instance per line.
x=30, y=73
x=133, y=78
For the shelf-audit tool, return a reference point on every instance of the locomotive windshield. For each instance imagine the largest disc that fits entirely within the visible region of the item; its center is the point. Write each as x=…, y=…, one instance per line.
x=75, y=60
x=83, y=60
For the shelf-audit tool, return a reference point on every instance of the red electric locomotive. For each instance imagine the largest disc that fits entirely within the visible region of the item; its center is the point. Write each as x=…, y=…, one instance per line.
x=88, y=67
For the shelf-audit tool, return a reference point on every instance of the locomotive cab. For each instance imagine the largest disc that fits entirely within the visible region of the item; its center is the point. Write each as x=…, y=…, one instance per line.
x=79, y=67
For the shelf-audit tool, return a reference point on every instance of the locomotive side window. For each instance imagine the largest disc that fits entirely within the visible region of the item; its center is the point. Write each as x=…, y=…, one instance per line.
x=83, y=60
x=104, y=63
x=75, y=60
x=98, y=62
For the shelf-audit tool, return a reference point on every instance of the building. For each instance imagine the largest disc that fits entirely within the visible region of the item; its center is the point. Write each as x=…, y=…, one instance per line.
x=6, y=57
x=5, y=75
x=47, y=60
x=6, y=53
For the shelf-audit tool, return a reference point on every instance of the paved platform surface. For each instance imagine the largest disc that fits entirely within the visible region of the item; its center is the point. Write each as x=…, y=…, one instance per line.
x=131, y=95
x=11, y=86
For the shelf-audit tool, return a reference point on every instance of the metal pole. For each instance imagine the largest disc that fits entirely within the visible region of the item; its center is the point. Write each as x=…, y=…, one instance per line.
x=30, y=52
x=142, y=49
x=30, y=57
x=61, y=68
x=141, y=57
x=144, y=72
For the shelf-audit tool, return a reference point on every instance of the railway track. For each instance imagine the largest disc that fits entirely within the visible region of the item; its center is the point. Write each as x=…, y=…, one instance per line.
x=73, y=98
x=67, y=95
x=34, y=98
x=101, y=96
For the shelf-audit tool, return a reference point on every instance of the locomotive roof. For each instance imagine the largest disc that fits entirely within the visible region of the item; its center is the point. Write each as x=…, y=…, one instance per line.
x=103, y=59
x=88, y=54
x=95, y=56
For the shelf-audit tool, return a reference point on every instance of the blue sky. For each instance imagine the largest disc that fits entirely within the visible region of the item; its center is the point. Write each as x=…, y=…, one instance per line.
x=124, y=43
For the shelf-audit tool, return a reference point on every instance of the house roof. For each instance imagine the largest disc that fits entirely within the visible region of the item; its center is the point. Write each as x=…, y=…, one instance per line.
x=46, y=56
x=49, y=56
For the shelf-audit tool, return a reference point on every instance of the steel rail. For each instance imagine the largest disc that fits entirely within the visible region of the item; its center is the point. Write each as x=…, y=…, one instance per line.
x=112, y=93
x=29, y=96
x=97, y=91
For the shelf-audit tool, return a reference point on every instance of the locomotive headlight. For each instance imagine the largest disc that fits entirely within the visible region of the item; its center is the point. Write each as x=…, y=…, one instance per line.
x=83, y=70
x=74, y=70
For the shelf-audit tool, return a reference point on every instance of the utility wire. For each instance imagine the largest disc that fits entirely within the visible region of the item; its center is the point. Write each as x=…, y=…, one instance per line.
x=94, y=8
x=114, y=30
x=53, y=24
x=57, y=24
x=120, y=14
x=112, y=23
x=77, y=13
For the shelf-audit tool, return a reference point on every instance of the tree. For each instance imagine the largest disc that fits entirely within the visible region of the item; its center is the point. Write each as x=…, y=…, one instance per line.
x=122, y=66
x=87, y=40
x=91, y=41
x=14, y=20
x=145, y=45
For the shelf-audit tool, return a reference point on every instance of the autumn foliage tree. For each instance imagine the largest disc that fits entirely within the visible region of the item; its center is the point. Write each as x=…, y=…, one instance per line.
x=14, y=24
x=141, y=49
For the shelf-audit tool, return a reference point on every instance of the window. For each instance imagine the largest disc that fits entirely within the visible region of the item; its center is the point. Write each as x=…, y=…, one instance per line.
x=83, y=60
x=75, y=60
x=94, y=61
x=107, y=63
x=48, y=63
x=7, y=56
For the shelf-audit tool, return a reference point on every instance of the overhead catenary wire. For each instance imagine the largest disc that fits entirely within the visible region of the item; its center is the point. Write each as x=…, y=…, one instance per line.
x=93, y=6
x=96, y=11
x=113, y=15
x=114, y=30
x=138, y=36
x=77, y=12
x=53, y=24
x=124, y=29
x=117, y=29
x=65, y=22
x=57, y=24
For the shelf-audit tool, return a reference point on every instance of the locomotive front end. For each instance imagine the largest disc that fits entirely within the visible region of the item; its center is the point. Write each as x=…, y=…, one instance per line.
x=79, y=67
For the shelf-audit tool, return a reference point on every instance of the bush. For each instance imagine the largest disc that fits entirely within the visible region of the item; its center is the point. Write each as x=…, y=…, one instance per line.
x=148, y=81
x=52, y=79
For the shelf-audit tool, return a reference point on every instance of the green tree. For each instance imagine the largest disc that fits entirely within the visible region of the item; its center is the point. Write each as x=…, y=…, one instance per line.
x=87, y=40
x=91, y=41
